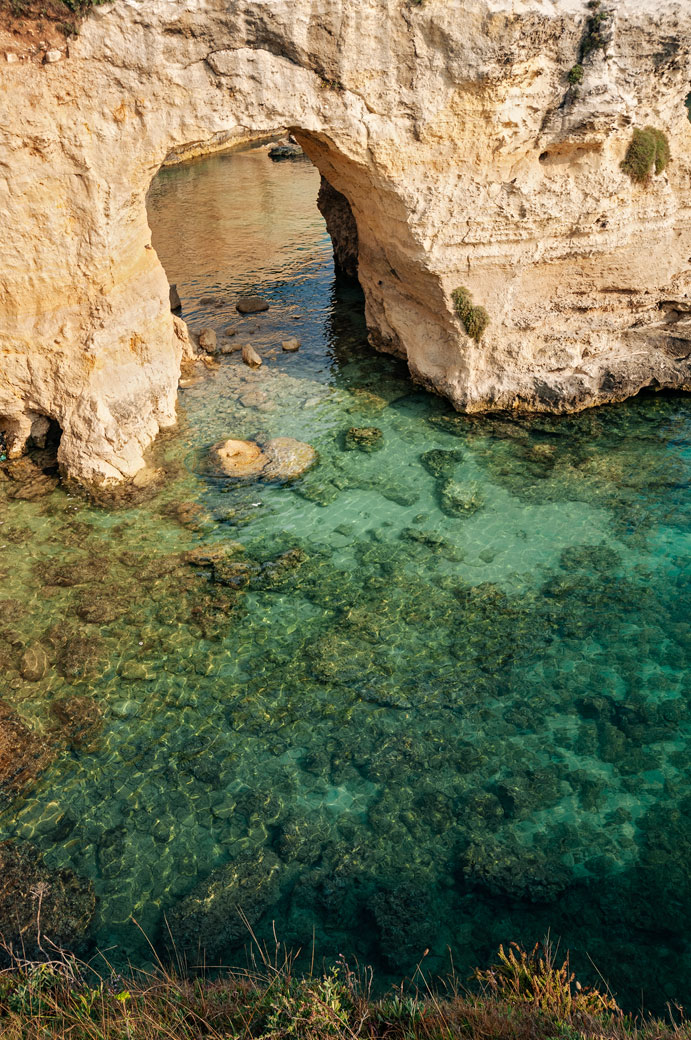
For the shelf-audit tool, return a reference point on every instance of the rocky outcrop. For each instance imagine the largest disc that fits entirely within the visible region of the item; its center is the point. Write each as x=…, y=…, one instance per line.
x=466, y=156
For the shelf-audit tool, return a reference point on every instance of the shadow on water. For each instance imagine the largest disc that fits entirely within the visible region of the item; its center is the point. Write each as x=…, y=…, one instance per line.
x=433, y=694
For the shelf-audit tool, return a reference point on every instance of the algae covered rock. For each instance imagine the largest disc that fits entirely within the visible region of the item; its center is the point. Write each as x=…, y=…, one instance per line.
x=23, y=754
x=210, y=919
x=441, y=464
x=364, y=438
x=458, y=499
x=66, y=902
x=515, y=870
x=406, y=922
x=80, y=718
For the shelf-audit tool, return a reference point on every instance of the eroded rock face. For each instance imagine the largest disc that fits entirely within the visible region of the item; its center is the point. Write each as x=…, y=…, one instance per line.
x=465, y=157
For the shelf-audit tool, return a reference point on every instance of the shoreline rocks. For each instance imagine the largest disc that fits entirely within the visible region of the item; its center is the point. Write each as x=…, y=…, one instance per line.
x=251, y=357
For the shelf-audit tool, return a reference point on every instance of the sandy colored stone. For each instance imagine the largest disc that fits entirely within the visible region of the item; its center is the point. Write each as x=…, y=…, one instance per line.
x=453, y=137
x=207, y=340
x=287, y=458
x=34, y=663
x=291, y=345
x=250, y=356
x=238, y=458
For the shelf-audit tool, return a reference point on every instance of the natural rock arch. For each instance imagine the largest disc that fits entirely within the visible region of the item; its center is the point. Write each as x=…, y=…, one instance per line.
x=450, y=130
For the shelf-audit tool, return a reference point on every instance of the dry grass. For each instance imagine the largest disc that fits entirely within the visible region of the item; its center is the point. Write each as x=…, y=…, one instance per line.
x=525, y=996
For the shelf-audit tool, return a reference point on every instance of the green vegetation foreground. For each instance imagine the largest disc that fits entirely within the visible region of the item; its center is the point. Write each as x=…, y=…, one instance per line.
x=522, y=997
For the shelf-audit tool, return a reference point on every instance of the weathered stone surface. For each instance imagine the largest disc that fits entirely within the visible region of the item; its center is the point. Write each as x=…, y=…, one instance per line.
x=250, y=356
x=34, y=663
x=287, y=458
x=464, y=155
x=237, y=458
x=251, y=305
x=291, y=345
x=207, y=340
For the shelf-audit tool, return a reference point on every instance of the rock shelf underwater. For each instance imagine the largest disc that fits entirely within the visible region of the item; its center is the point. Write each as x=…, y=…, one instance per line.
x=432, y=694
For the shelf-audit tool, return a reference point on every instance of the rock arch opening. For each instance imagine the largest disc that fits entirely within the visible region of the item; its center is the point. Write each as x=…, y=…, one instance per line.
x=438, y=156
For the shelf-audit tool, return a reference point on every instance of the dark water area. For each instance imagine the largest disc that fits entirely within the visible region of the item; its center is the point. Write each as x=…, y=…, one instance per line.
x=430, y=696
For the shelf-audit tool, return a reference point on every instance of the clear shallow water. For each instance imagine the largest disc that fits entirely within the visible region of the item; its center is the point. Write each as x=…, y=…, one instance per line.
x=418, y=701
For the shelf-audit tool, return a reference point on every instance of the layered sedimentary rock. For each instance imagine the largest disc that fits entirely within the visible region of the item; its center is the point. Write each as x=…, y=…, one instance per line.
x=451, y=129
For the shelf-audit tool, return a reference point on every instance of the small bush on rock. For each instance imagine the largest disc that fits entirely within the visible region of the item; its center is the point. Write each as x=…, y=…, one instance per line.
x=649, y=149
x=475, y=319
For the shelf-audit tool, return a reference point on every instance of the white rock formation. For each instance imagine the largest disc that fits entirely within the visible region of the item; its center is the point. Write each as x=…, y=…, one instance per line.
x=449, y=127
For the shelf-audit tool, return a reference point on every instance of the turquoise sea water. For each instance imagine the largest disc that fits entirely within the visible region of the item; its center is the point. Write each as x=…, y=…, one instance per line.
x=431, y=696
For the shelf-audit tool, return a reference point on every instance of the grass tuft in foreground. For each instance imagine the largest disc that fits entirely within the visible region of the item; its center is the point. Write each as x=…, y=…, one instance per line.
x=525, y=996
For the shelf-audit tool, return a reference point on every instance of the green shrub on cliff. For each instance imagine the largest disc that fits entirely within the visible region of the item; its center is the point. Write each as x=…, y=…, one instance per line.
x=475, y=319
x=648, y=150
x=596, y=29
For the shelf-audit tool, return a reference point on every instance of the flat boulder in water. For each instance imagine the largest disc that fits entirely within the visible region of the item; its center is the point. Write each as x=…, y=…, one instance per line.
x=282, y=458
x=234, y=458
x=288, y=458
x=251, y=304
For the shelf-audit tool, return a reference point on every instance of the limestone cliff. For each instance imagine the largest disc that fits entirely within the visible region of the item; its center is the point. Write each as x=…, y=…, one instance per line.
x=451, y=129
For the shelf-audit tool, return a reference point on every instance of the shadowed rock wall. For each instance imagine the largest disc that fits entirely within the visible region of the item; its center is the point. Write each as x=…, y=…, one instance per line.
x=340, y=223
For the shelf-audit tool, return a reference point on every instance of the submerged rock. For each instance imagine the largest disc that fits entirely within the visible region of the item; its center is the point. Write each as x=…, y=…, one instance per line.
x=34, y=663
x=364, y=438
x=66, y=902
x=251, y=304
x=80, y=718
x=288, y=458
x=282, y=458
x=291, y=345
x=460, y=500
x=441, y=464
x=23, y=754
x=213, y=916
x=250, y=356
x=237, y=458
